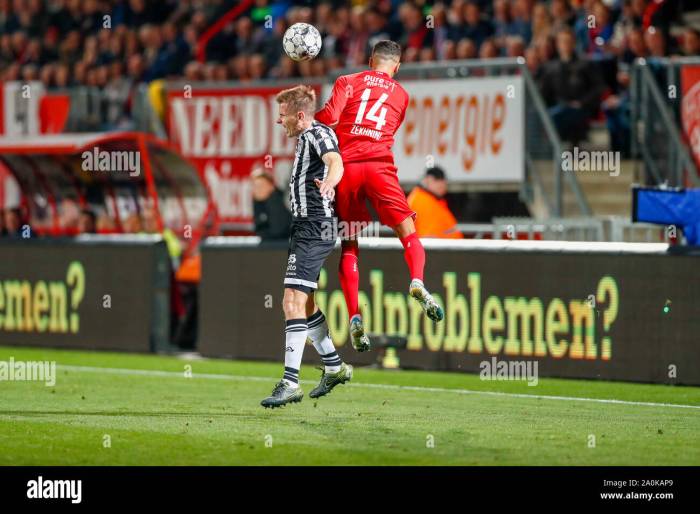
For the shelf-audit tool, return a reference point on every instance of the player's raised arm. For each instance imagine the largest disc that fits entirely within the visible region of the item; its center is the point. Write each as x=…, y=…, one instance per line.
x=330, y=114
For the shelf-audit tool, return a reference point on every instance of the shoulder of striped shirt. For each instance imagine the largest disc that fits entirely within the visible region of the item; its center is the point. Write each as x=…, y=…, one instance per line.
x=321, y=133
x=325, y=130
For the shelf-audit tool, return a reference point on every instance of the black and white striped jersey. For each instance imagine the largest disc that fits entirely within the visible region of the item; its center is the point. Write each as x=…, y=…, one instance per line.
x=304, y=196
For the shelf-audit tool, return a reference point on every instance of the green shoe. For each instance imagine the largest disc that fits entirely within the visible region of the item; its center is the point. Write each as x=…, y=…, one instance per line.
x=281, y=395
x=330, y=380
x=359, y=339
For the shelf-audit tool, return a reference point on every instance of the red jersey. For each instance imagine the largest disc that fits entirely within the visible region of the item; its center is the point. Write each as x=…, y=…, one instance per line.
x=368, y=108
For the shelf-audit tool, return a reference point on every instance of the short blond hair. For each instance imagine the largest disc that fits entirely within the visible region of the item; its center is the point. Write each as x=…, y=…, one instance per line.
x=298, y=98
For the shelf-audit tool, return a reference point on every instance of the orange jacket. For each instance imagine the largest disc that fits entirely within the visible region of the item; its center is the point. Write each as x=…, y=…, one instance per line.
x=433, y=217
x=190, y=269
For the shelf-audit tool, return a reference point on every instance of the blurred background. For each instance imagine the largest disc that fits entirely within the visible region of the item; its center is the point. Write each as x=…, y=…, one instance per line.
x=507, y=96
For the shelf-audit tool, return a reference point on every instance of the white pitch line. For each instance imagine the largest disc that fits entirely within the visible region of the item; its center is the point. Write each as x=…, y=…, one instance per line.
x=420, y=389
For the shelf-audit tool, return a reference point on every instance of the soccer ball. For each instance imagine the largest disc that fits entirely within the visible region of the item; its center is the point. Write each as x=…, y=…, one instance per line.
x=302, y=42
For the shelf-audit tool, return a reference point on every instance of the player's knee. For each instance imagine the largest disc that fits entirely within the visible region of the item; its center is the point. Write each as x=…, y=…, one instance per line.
x=310, y=305
x=405, y=228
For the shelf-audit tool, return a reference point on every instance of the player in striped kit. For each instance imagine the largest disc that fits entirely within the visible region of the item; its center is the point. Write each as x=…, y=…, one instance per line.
x=316, y=171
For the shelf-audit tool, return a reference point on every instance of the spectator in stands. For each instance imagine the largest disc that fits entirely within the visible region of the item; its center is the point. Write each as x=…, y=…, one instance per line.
x=488, y=49
x=534, y=64
x=441, y=30
x=245, y=44
x=105, y=223
x=426, y=54
x=269, y=43
x=63, y=43
x=377, y=29
x=193, y=71
x=68, y=214
x=522, y=19
x=655, y=42
x=475, y=28
x=690, y=46
x=416, y=34
x=595, y=31
x=515, y=46
x=87, y=223
x=466, y=49
x=637, y=8
x=449, y=50
x=657, y=13
x=562, y=15
x=256, y=67
x=545, y=48
x=433, y=216
x=272, y=218
x=617, y=116
x=177, y=51
x=132, y=224
x=285, y=69
x=622, y=28
x=502, y=24
x=635, y=47
x=15, y=226
x=358, y=38
x=541, y=21
x=571, y=89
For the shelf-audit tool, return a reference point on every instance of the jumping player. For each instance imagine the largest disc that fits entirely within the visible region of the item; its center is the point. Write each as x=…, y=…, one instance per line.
x=366, y=109
x=317, y=169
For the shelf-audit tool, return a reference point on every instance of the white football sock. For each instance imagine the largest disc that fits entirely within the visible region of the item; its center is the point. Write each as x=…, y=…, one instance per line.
x=318, y=333
x=295, y=338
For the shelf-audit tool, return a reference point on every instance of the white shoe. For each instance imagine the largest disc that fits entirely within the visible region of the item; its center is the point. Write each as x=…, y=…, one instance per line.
x=418, y=291
x=359, y=339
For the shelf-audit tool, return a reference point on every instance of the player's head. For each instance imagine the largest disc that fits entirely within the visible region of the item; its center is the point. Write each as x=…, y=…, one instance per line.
x=87, y=223
x=296, y=109
x=566, y=43
x=263, y=183
x=435, y=181
x=386, y=57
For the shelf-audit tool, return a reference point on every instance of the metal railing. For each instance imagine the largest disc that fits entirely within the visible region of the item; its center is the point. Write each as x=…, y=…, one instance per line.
x=616, y=229
x=553, y=229
x=657, y=138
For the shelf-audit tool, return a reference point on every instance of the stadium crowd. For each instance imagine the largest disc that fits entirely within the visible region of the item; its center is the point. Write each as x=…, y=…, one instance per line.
x=114, y=45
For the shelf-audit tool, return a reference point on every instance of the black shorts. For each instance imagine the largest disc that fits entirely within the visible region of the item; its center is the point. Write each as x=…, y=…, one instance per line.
x=310, y=242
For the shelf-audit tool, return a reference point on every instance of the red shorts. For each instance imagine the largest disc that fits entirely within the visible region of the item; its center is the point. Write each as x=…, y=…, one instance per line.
x=376, y=181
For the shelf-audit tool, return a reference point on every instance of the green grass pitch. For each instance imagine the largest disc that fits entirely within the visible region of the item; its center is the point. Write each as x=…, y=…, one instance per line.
x=143, y=410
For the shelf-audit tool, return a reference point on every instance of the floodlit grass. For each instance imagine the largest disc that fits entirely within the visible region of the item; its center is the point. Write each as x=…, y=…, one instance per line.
x=159, y=416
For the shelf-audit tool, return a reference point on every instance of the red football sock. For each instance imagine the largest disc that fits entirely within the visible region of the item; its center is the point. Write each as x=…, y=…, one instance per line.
x=349, y=276
x=414, y=254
